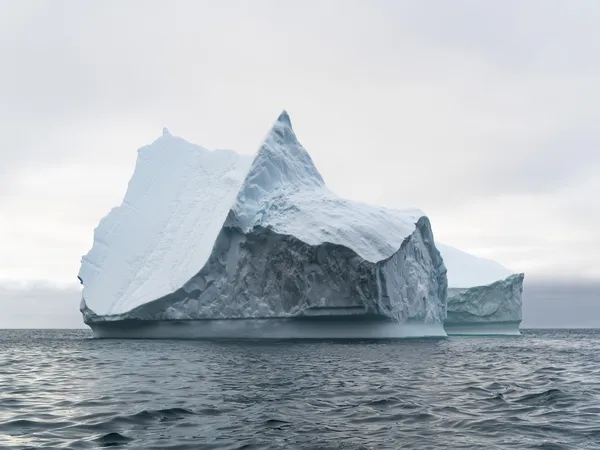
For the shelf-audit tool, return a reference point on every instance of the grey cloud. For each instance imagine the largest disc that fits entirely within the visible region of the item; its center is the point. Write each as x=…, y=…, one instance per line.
x=40, y=305
x=93, y=59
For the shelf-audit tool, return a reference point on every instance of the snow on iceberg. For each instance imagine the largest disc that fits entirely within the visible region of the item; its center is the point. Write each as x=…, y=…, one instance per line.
x=166, y=226
x=215, y=235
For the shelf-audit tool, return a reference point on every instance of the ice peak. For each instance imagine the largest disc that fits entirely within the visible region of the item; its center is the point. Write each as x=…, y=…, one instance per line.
x=281, y=165
x=284, y=119
x=166, y=132
x=282, y=155
x=282, y=128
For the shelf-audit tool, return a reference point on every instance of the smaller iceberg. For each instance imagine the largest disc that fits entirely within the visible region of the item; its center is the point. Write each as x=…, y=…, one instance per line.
x=493, y=309
x=484, y=297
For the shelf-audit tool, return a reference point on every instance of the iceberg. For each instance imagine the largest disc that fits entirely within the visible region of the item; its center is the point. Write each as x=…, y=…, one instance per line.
x=492, y=309
x=484, y=297
x=216, y=244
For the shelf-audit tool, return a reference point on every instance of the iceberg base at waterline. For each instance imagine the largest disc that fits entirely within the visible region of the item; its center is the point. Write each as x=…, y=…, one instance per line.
x=326, y=326
x=483, y=329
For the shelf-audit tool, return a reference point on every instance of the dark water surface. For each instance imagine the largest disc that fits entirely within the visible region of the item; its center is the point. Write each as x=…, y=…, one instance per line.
x=60, y=389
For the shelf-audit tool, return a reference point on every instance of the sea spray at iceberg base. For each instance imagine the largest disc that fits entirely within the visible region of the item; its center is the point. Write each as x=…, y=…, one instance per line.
x=213, y=244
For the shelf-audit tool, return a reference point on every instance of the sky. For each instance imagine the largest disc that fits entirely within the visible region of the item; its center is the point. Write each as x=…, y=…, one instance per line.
x=482, y=114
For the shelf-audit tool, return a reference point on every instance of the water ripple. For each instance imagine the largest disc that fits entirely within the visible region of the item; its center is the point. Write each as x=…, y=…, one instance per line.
x=60, y=389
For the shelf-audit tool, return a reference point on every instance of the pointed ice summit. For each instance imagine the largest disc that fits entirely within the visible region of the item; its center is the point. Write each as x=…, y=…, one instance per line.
x=203, y=238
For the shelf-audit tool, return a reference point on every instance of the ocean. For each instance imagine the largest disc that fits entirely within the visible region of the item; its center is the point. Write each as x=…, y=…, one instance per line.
x=62, y=389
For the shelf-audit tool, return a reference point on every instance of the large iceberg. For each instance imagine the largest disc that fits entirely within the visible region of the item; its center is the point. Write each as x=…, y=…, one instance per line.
x=484, y=297
x=215, y=244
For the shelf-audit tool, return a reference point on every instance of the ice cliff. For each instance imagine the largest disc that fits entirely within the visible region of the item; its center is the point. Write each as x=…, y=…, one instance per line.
x=216, y=235
x=484, y=297
x=495, y=308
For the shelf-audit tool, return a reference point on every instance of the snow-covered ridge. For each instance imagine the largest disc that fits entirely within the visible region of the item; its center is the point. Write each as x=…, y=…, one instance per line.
x=285, y=191
x=198, y=233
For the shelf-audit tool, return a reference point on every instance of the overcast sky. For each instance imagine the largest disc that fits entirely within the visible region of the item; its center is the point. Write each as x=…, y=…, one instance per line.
x=483, y=114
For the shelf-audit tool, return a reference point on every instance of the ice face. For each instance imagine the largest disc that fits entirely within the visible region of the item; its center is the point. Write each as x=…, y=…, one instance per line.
x=483, y=297
x=497, y=302
x=266, y=274
x=174, y=208
x=215, y=235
